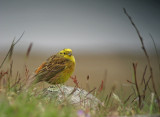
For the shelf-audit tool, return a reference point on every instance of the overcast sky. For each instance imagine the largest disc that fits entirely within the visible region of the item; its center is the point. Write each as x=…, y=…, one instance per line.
x=85, y=25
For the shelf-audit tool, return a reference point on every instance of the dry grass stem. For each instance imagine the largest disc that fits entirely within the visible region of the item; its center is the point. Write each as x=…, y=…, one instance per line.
x=158, y=60
x=29, y=49
x=9, y=53
x=146, y=54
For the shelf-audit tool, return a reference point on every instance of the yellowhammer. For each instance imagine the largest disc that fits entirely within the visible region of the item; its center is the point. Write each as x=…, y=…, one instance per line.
x=56, y=69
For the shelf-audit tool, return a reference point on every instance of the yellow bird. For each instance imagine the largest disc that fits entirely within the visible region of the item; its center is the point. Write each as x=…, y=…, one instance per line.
x=56, y=69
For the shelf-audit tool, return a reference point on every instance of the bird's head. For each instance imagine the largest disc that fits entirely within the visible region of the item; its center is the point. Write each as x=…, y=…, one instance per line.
x=67, y=53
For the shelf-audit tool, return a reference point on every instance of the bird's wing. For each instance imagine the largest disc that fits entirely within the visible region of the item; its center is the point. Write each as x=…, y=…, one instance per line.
x=54, y=65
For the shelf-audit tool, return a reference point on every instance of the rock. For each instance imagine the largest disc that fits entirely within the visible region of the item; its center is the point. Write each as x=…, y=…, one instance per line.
x=72, y=95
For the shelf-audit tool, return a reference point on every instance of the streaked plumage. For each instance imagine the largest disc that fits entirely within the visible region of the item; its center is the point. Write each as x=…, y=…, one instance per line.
x=56, y=69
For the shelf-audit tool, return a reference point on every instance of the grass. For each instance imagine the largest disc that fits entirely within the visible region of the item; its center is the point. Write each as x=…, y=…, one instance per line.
x=24, y=105
x=15, y=100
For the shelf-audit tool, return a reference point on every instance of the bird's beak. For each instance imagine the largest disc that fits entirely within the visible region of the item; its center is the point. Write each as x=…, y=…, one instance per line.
x=69, y=53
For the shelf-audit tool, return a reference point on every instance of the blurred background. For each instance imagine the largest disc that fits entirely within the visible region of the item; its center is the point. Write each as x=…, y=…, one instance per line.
x=103, y=41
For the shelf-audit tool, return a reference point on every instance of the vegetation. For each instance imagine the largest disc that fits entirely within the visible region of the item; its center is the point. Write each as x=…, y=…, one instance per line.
x=16, y=100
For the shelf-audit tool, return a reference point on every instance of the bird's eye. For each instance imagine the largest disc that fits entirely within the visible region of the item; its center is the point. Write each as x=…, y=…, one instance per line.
x=64, y=53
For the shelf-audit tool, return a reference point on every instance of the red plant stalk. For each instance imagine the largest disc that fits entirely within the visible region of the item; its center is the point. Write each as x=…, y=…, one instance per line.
x=136, y=83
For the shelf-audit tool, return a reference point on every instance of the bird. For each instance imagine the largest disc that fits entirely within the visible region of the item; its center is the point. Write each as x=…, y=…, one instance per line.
x=57, y=69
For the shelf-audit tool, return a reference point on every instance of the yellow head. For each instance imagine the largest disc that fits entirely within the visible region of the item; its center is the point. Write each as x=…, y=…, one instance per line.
x=67, y=53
